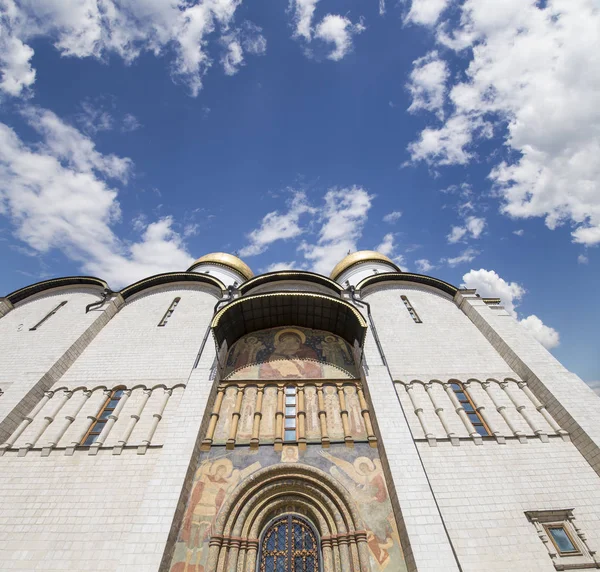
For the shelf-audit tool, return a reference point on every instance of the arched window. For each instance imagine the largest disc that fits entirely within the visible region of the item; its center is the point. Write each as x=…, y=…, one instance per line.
x=289, y=544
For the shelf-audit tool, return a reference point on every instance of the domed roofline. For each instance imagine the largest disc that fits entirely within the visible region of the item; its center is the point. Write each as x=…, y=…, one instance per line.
x=357, y=258
x=168, y=278
x=27, y=291
x=285, y=275
x=223, y=259
x=408, y=277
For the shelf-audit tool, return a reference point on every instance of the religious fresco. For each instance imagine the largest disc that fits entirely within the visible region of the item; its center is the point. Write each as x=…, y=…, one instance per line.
x=358, y=470
x=290, y=353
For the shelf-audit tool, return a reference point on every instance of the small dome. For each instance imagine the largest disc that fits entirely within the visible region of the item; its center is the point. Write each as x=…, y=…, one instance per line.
x=360, y=256
x=224, y=259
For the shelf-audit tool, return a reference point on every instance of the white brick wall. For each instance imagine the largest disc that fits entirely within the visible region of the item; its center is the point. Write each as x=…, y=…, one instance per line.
x=483, y=492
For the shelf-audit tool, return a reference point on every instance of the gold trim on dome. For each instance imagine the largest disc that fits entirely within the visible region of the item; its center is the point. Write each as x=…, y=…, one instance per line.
x=360, y=256
x=224, y=259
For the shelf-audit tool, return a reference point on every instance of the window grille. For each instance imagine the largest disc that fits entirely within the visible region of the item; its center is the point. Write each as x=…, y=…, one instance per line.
x=289, y=545
x=469, y=407
x=411, y=310
x=106, y=410
x=49, y=315
x=169, y=312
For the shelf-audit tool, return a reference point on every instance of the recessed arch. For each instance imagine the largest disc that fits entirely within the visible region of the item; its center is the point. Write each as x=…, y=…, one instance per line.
x=408, y=277
x=169, y=278
x=234, y=544
x=309, y=310
x=28, y=291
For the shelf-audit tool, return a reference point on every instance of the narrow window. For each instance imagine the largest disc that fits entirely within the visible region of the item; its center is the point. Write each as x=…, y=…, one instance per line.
x=411, y=310
x=289, y=429
x=561, y=539
x=169, y=312
x=468, y=406
x=96, y=428
x=48, y=315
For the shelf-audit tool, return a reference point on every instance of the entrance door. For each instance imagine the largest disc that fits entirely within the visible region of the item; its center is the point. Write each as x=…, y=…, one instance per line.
x=289, y=545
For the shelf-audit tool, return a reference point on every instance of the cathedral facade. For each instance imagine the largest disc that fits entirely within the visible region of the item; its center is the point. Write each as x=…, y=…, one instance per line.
x=213, y=420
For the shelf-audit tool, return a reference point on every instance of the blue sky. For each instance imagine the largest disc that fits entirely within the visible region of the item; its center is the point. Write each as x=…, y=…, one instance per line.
x=460, y=138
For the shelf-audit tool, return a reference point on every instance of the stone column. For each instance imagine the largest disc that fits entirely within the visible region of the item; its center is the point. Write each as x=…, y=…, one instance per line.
x=66, y=422
x=522, y=409
x=235, y=418
x=502, y=410
x=419, y=413
x=481, y=410
x=462, y=414
x=47, y=420
x=279, y=420
x=301, y=413
x=214, y=418
x=543, y=411
x=112, y=419
x=322, y=417
x=344, y=413
x=255, y=439
x=26, y=422
x=440, y=413
x=157, y=417
x=135, y=417
x=366, y=416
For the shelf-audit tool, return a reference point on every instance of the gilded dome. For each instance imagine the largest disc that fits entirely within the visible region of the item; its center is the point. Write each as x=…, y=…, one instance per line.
x=360, y=256
x=224, y=259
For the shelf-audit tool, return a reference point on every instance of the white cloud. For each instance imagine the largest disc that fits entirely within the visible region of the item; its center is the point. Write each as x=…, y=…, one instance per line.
x=389, y=248
x=392, y=217
x=534, y=73
x=338, y=30
x=277, y=266
x=426, y=12
x=456, y=234
x=94, y=118
x=100, y=28
x=466, y=255
x=130, y=123
x=57, y=195
x=519, y=232
x=427, y=84
x=423, y=265
x=582, y=259
x=546, y=335
x=490, y=285
x=278, y=226
x=247, y=39
x=332, y=29
x=343, y=218
x=304, y=11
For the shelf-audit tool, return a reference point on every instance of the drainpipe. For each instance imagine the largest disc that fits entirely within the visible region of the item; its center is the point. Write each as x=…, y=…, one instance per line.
x=106, y=293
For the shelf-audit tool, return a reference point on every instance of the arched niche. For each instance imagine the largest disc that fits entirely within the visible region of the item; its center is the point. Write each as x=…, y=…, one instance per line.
x=290, y=352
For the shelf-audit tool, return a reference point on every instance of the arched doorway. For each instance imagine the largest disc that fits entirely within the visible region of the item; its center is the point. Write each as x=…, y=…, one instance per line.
x=289, y=544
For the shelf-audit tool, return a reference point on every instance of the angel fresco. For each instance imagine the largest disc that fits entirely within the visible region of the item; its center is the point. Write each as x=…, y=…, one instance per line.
x=364, y=479
x=213, y=483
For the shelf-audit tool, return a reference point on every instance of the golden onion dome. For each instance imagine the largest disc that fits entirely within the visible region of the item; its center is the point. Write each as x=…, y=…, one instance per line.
x=224, y=259
x=358, y=257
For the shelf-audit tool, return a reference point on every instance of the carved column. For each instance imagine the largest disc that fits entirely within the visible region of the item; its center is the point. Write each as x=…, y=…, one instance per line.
x=344, y=413
x=112, y=419
x=62, y=429
x=460, y=410
x=322, y=417
x=255, y=439
x=155, y=421
x=419, y=413
x=543, y=411
x=481, y=410
x=301, y=411
x=235, y=417
x=135, y=417
x=522, y=409
x=26, y=422
x=48, y=419
x=366, y=415
x=440, y=413
x=214, y=418
x=279, y=420
x=502, y=410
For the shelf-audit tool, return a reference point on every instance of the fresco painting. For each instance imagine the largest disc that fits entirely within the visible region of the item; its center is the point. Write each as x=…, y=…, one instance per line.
x=267, y=421
x=335, y=428
x=358, y=470
x=290, y=353
x=313, y=429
